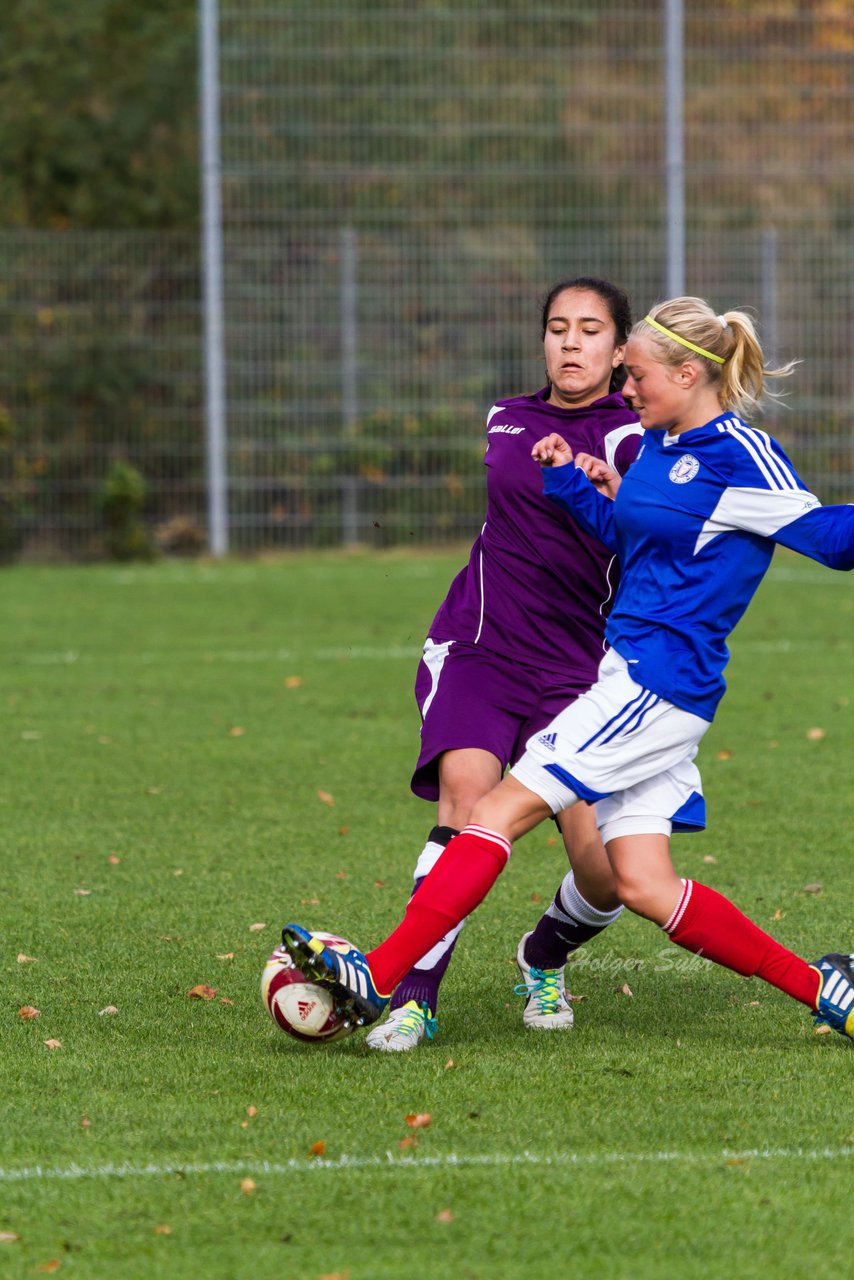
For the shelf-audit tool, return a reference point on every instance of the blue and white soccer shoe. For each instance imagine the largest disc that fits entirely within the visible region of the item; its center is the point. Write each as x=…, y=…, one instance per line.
x=339, y=966
x=835, y=1004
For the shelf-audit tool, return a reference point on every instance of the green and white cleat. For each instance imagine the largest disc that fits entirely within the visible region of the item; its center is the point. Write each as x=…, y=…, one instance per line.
x=404, y=1029
x=546, y=1005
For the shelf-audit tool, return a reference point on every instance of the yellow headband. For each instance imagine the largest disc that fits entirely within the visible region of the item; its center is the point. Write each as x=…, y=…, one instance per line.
x=668, y=333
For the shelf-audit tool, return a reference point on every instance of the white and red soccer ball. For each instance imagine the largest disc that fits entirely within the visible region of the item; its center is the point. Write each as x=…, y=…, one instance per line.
x=302, y=1008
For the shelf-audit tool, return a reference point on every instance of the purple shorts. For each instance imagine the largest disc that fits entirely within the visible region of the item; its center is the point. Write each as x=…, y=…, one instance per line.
x=469, y=697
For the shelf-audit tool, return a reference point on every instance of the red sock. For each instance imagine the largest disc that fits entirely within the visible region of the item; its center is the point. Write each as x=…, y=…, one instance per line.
x=708, y=924
x=460, y=880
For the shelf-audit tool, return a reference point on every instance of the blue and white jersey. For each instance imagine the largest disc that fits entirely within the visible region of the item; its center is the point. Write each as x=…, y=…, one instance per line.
x=694, y=525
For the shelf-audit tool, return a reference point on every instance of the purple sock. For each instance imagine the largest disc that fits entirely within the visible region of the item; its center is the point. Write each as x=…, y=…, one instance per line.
x=421, y=984
x=567, y=924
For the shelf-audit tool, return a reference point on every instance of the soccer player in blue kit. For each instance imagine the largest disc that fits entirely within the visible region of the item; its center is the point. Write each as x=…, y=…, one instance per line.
x=694, y=523
x=518, y=636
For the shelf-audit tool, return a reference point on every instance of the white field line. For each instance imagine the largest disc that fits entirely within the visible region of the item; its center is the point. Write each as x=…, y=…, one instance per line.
x=341, y=653
x=204, y=657
x=568, y=1159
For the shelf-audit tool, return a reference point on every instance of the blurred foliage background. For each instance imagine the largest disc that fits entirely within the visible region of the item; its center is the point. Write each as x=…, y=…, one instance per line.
x=400, y=186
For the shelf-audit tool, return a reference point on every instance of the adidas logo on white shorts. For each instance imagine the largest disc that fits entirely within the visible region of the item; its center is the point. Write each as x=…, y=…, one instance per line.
x=548, y=740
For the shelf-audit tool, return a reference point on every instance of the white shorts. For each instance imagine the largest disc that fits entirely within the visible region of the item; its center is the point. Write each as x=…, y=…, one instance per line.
x=625, y=749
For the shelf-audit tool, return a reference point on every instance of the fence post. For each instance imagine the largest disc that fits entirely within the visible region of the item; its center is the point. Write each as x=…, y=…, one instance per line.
x=212, y=290
x=348, y=266
x=769, y=312
x=674, y=146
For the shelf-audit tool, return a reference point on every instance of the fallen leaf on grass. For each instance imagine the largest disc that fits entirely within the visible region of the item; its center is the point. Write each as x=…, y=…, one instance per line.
x=247, y=1186
x=225, y=1000
x=816, y=735
x=317, y=1149
x=85, y=1122
x=343, y=831
x=735, y=1162
x=724, y=755
x=108, y=1010
x=325, y=798
x=444, y=1215
x=293, y=682
x=570, y=995
x=179, y=871
x=251, y=1111
x=813, y=888
x=113, y=860
x=449, y=1064
x=778, y=915
x=309, y=902
x=258, y=926
x=226, y=955
x=535, y=897
x=379, y=884
x=202, y=992
x=340, y=875
x=27, y=1011
x=626, y=990
x=24, y=959
x=710, y=859
x=236, y=731
x=52, y=1044
x=822, y=1029
x=422, y=1120
x=163, y=1229
x=8, y=1237
x=49, y=1267
x=405, y=1143
x=552, y=841
x=82, y=893
x=152, y=791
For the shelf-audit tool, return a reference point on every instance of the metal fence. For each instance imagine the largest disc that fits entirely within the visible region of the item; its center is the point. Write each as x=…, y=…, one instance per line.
x=400, y=186
x=99, y=371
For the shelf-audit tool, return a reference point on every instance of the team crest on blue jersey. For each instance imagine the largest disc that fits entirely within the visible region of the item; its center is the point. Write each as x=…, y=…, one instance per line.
x=685, y=469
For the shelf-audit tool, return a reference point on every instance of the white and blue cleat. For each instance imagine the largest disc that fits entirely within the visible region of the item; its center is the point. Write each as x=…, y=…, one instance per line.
x=835, y=1005
x=339, y=966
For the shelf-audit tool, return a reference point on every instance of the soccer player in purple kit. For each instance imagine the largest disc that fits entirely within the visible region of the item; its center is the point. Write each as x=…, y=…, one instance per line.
x=518, y=636
x=695, y=523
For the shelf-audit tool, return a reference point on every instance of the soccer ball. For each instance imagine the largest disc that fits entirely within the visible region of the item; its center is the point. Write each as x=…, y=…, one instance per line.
x=302, y=1008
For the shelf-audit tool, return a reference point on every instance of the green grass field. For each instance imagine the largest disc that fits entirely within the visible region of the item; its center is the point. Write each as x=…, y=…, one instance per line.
x=168, y=731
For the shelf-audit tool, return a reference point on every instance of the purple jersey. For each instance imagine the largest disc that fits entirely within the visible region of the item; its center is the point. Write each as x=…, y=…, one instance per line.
x=537, y=588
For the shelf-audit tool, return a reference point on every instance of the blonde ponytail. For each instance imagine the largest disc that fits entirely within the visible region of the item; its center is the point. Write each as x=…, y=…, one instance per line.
x=727, y=346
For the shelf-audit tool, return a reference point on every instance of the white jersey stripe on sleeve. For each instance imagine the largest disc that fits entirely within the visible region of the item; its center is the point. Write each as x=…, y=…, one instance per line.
x=767, y=464
x=763, y=443
x=757, y=511
x=748, y=446
x=761, y=511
